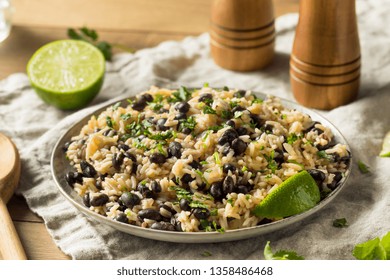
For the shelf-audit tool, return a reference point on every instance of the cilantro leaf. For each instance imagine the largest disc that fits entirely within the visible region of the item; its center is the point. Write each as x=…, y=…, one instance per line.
x=90, y=33
x=339, y=223
x=374, y=249
x=292, y=138
x=280, y=255
x=110, y=122
x=363, y=167
x=324, y=155
x=208, y=110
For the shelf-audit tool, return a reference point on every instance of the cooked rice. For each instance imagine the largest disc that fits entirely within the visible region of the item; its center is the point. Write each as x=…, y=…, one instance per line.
x=279, y=142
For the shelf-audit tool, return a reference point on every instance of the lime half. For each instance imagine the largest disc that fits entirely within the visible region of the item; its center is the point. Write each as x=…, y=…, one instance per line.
x=295, y=195
x=67, y=73
x=386, y=146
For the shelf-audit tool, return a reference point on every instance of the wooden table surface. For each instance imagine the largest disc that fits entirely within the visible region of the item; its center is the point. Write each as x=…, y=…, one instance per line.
x=133, y=23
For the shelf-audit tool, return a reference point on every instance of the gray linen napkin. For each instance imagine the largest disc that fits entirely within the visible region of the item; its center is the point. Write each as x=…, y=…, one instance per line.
x=364, y=202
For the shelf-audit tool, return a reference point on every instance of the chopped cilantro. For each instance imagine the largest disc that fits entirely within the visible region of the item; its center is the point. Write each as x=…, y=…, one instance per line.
x=233, y=104
x=244, y=168
x=374, y=249
x=203, y=162
x=226, y=114
x=324, y=155
x=257, y=101
x=230, y=201
x=280, y=255
x=182, y=95
x=283, y=116
x=225, y=88
x=200, y=173
x=110, y=122
x=206, y=84
x=130, y=101
x=197, y=204
x=182, y=193
x=190, y=123
x=216, y=158
x=292, y=138
x=116, y=106
x=272, y=164
x=126, y=116
x=363, y=167
x=162, y=135
x=206, y=254
x=214, y=212
x=208, y=110
x=247, y=196
x=215, y=128
x=339, y=223
x=157, y=104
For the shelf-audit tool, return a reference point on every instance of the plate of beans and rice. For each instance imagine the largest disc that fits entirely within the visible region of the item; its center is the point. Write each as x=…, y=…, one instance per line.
x=191, y=165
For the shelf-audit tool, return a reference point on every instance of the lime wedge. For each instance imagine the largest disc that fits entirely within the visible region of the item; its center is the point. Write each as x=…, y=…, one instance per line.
x=386, y=146
x=295, y=195
x=67, y=73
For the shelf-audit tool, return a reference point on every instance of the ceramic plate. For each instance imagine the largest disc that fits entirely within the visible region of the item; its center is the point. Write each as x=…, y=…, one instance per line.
x=60, y=166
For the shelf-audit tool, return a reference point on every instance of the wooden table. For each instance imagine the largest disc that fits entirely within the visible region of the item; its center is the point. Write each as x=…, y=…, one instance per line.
x=134, y=23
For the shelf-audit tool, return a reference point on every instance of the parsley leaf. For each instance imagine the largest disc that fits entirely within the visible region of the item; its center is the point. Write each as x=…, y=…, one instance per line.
x=340, y=223
x=374, y=249
x=363, y=167
x=280, y=255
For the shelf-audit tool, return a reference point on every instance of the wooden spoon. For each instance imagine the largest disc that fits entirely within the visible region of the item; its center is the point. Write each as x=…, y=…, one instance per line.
x=10, y=246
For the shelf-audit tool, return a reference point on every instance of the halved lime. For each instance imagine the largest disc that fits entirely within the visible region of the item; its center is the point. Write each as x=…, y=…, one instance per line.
x=386, y=146
x=67, y=73
x=295, y=195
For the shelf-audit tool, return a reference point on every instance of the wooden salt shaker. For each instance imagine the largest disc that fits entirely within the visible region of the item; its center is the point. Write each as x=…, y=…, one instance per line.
x=242, y=34
x=325, y=60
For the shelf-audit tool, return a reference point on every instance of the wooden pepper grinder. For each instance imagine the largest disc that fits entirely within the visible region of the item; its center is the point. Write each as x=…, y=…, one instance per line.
x=325, y=60
x=242, y=34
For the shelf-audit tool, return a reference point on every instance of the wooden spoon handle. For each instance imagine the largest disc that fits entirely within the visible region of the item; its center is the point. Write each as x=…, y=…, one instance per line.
x=10, y=246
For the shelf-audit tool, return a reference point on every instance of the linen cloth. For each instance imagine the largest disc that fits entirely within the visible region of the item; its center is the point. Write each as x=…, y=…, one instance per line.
x=364, y=202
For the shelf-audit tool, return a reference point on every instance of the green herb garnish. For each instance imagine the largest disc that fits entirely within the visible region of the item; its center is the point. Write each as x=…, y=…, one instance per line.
x=126, y=116
x=324, y=155
x=292, y=138
x=116, y=106
x=238, y=114
x=363, y=167
x=206, y=254
x=162, y=135
x=226, y=114
x=110, y=122
x=190, y=123
x=374, y=249
x=208, y=110
x=257, y=101
x=340, y=223
x=280, y=255
x=216, y=158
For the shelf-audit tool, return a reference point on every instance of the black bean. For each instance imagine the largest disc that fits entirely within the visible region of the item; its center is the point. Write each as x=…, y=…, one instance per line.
x=330, y=143
x=88, y=170
x=174, y=149
x=157, y=158
x=181, y=116
x=279, y=156
x=130, y=156
x=268, y=128
x=310, y=127
x=228, y=185
x=182, y=107
x=228, y=167
x=117, y=160
x=228, y=136
x=73, y=177
x=231, y=123
x=238, y=146
x=216, y=190
x=264, y=221
x=66, y=146
x=201, y=187
x=145, y=191
x=186, y=130
x=238, y=108
x=123, y=147
x=161, y=124
x=176, y=224
x=163, y=226
x=121, y=217
x=195, y=165
x=99, y=199
x=147, y=97
x=317, y=175
x=243, y=189
x=166, y=211
x=186, y=179
x=155, y=187
x=239, y=94
x=149, y=213
x=109, y=133
x=184, y=204
x=138, y=105
x=225, y=150
x=130, y=199
x=86, y=200
x=337, y=176
x=206, y=98
x=257, y=120
x=242, y=131
x=201, y=213
x=100, y=180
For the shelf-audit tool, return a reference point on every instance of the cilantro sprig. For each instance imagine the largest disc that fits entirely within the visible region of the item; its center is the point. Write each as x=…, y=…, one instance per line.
x=280, y=255
x=374, y=249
